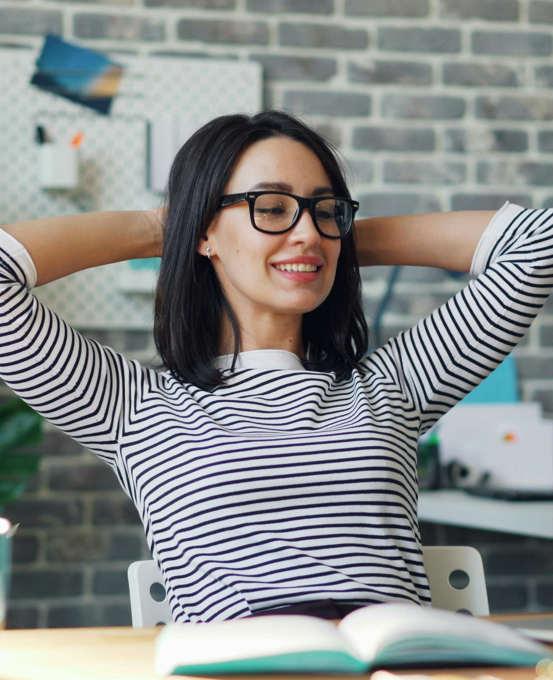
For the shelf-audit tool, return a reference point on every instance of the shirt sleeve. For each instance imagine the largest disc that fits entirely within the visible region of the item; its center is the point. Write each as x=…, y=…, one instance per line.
x=451, y=351
x=74, y=382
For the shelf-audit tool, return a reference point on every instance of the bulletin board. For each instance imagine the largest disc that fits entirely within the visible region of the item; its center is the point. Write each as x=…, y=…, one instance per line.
x=112, y=164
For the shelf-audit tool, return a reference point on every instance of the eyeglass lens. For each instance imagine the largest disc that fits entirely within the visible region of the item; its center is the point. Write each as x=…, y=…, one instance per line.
x=276, y=212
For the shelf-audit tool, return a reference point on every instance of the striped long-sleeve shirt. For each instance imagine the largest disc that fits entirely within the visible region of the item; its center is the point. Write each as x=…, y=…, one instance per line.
x=283, y=485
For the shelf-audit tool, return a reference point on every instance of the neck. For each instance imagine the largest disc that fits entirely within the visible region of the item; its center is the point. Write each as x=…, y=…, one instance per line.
x=250, y=343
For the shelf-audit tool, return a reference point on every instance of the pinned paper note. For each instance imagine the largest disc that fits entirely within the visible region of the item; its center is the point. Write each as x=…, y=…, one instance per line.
x=165, y=138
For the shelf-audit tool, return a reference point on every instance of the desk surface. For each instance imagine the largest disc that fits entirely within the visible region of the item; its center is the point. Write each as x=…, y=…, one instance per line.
x=128, y=654
x=454, y=506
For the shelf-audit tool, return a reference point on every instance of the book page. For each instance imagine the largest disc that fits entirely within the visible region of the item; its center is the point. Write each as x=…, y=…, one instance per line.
x=375, y=627
x=188, y=644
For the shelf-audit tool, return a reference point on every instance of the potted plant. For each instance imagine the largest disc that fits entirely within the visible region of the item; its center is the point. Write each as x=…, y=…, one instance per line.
x=20, y=426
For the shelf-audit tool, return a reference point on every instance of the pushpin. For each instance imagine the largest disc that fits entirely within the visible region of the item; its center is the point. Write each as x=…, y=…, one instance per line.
x=77, y=139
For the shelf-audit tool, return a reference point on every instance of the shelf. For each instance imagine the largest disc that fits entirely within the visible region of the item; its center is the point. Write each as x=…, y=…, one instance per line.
x=141, y=281
x=532, y=518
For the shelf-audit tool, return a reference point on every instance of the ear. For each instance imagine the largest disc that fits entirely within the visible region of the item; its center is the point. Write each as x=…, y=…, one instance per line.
x=208, y=238
x=202, y=245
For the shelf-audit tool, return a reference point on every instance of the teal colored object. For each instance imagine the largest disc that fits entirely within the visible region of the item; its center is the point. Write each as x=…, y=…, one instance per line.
x=5, y=576
x=146, y=263
x=500, y=387
x=321, y=661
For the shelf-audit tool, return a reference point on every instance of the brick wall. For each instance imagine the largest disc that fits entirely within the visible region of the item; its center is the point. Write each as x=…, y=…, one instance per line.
x=437, y=104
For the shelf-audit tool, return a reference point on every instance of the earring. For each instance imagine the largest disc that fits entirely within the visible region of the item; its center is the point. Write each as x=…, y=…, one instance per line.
x=208, y=251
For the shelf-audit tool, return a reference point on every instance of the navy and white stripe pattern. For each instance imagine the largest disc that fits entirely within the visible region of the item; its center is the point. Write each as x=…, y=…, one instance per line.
x=284, y=485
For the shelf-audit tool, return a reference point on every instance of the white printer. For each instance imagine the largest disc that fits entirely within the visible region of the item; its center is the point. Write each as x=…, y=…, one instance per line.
x=511, y=441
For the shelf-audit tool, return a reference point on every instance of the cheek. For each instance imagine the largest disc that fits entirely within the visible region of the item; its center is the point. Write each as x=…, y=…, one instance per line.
x=334, y=256
x=248, y=274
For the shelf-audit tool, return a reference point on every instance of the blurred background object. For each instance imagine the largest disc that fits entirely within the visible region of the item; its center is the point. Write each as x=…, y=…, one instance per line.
x=7, y=531
x=20, y=426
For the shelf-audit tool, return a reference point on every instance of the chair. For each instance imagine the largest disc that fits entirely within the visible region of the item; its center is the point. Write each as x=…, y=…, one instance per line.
x=440, y=562
x=446, y=564
x=145, y=582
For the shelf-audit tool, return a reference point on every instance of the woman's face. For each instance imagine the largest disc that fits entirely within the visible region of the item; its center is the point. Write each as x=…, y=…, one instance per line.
x=244, y=257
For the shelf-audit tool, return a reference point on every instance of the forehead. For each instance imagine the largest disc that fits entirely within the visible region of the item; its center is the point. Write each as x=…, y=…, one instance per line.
x=284, y=186
x=280, y=160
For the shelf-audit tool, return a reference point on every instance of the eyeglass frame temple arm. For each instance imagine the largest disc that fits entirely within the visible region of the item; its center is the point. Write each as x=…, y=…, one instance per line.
x=231, y=199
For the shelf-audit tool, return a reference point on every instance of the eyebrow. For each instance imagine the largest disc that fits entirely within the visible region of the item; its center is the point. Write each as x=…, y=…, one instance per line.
x=282, y=186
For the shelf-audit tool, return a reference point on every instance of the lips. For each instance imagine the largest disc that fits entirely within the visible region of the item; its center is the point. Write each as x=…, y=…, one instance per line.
x=302, y=259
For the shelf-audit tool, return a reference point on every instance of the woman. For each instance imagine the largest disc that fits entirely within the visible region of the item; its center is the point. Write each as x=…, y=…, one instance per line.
x=273, y=463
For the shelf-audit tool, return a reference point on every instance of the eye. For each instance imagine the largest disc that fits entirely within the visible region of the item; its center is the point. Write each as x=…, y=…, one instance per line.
x=270, y=211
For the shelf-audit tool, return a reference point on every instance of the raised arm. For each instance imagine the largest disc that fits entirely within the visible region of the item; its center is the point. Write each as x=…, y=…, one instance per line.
x=77, y=384
x=445, y=240
x=60, y=246
x=450, y=352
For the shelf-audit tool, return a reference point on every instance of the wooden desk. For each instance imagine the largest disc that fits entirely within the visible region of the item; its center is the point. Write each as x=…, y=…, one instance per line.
x=128, y=654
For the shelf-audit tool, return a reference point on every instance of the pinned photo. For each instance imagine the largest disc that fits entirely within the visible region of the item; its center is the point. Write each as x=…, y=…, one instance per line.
x=77, y=73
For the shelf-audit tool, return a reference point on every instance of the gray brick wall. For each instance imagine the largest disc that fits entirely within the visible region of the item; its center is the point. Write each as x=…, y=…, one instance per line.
x=437, y=105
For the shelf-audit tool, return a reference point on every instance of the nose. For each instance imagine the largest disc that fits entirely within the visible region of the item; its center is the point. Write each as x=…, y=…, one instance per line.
x=306, y=226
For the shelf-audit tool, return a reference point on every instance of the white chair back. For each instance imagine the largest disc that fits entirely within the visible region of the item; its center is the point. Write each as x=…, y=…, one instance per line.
x=145, y=579
x=440, y=563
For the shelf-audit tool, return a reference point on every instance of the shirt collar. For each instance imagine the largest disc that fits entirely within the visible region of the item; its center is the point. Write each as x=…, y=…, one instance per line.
x=262, y=358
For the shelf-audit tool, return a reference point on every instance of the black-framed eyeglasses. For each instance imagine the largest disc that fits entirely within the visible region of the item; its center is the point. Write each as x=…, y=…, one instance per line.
x=275, y=212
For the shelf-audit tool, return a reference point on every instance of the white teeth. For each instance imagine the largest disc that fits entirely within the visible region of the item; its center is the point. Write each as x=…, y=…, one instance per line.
x=297, y=267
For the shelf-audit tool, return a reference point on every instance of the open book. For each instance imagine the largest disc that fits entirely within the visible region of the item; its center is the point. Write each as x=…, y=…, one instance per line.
x=389, y=635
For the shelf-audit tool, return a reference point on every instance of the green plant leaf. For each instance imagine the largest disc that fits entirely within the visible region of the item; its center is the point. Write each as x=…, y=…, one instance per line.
x=10, y=490
x=20, y=425
x=19, y=465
